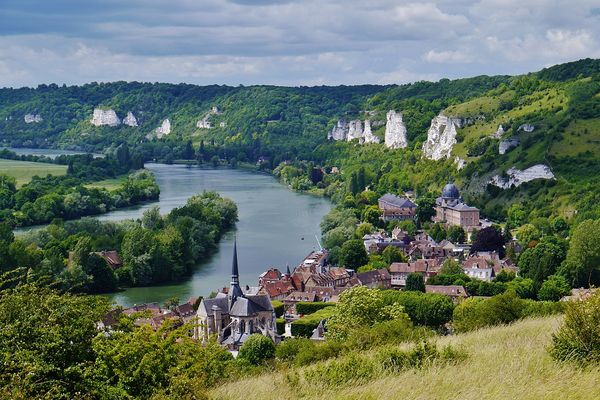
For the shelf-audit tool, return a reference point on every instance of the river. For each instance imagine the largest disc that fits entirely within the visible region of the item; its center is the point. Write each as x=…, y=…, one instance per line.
x=276, y=227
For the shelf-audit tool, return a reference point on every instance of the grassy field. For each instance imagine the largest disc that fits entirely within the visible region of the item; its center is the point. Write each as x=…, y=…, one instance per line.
x=503, y=363
x=579, y=137
x=108, y=184
x=23, y=171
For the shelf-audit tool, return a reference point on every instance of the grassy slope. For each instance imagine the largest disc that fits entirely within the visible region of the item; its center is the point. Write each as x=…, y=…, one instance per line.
x=23, y=171
x=504, y=363
x=109, y=184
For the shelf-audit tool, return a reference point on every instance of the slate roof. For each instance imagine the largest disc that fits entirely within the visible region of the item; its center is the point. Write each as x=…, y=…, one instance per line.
x=397, y=201
x=251, y=305
x=374, y=276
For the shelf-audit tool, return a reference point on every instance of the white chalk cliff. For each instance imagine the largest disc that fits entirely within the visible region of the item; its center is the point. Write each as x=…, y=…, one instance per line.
x=105, y=117
x=498, y=134
x=355, y=130
x=130, y=119
x=516, y=177
x=163, y=129
x=339, y=131
x=505, y=145
x=441, y=138
x=368, y=136
x=32, y=118
x=526, y=128
x=395, y=131
x=204, y=123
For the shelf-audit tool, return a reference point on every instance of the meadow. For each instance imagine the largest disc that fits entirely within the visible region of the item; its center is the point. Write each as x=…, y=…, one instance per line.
x=503, y=363
x=23, y=171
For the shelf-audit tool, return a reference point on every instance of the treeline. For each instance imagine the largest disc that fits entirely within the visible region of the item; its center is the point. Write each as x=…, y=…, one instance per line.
x=67, y=197
x=154, y=249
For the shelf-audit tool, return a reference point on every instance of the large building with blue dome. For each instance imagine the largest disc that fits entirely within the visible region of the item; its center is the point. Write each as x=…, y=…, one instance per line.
x=451, y=210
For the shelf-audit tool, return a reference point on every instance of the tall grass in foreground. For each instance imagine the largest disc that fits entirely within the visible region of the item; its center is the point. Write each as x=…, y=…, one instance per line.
x=504, y=363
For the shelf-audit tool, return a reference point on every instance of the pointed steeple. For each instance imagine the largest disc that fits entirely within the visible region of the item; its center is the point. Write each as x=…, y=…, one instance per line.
x=234, y=289
x=287, y=272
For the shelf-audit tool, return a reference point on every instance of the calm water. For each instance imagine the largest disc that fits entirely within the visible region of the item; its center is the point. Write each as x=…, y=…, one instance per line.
x=276, y=226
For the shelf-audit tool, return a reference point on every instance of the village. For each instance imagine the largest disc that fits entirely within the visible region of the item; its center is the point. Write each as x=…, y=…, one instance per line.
x=275, y=305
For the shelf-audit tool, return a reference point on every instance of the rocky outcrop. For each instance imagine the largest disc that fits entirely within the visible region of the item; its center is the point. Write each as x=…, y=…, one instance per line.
x=355, y=130
x=222, y=124
x=339, y=131
x=32, y=118
x=516, y=177
x=204, y=123
x=505, y=145
x=499, y=133
x=441, y=138
x=368, y=136
x=105, y=117
x=526, y=128
x=130, y=119
x=395, y=131
x=163, y=129
x=460, y=163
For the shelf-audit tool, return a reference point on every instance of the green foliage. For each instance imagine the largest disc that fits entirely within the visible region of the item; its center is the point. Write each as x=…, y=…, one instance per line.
x=554, y=288
x=305, y=308
x=415, y=282
x=305, y=326
x=541, y=261
x=392, y=254
x=278, y=307
x=289, y=349
x=582, y=266
x=353, y=254
x=426, y=309
x=257, y=349
x=578, y=339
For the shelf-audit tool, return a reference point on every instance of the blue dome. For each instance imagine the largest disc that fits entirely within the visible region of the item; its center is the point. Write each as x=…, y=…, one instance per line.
x=450, y=192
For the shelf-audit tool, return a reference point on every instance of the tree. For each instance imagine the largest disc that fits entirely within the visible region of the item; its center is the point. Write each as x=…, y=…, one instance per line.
x=361, y=179
x=392, y=254
x=151, y=219
x=456, y=234
x=188, y=151
x=363, y=229
x=425, y=209
x=257, y=349
x=516, y=216
x=451, y=267
x=437, y=232
x=541, y=261
x=409, y=227
x=361, y=307
x=372, y=215
x=353, y=185
x=554, y=288
x=103, y=277
x=415, y=282
x=489, y=239
x=353, y=254
x=582, y=265
x=527, y=234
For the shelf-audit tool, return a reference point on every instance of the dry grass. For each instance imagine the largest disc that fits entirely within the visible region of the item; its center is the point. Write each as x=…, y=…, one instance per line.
x=504, y=363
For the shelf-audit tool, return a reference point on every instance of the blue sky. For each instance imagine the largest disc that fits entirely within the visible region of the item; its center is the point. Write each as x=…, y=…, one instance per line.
x=288, y=42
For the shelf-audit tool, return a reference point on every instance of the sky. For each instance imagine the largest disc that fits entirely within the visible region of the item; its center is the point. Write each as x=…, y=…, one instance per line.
x=288, y=42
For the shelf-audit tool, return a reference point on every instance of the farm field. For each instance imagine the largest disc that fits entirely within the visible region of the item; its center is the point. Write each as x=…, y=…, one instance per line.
x=23, y=171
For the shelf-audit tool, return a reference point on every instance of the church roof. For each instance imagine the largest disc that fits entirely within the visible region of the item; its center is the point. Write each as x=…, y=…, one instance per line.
x=251, y=305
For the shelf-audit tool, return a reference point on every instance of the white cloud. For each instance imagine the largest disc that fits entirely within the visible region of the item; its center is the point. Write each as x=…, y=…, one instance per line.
x=450, y=56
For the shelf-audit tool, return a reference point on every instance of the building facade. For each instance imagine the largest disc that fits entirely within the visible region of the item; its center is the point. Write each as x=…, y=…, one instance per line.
x=395, y=208
x=451, y=210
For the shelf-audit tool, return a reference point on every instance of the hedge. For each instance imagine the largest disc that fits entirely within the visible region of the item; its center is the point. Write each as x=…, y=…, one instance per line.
x=304, y=327
x=305, y=307
x=278, y=307
x=280, y=325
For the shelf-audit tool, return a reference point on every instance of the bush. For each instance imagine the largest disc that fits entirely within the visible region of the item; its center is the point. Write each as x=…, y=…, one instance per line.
x=475, y=313
x=304, y=327
x=319, y=352
x=290, y=348
x=578, y=339
x=415, y=282
x=278, y=308
x=428, y=309
x=257, y=349
x=388, y=332
x=280, y=322
x=554, y=288
x=303, y=307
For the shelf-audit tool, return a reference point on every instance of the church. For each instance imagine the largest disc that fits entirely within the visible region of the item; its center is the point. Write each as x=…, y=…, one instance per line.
x=234, y=316
x=450, y=209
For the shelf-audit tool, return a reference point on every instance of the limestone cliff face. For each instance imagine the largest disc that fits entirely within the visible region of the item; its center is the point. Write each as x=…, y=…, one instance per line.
x=460, y=163
x=526, y=128
x=441, y=138
x=395, y=131
x=105, y=117
x=498, y=134
x=205, y=123
x=516, y=177
x=368, y=134
x=163, y=129
x=339, y=131
x=130, y=119
x=32, y=118
x=505, y=145
x=355, y=130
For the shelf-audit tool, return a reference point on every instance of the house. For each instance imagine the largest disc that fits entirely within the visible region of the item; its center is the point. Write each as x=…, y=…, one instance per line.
x=277, y=290
x=455, y=292
x=375, y=243
x=580, y=294
x=400, y=271
x=111, y=257
x=378, y=278
x=395, y=208
x=482, y=265
x=269, y=276
x=232, y=318
x=451, y=210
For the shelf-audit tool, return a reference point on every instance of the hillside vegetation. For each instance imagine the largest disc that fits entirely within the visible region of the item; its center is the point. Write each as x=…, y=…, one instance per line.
x=503, y=363
x=275, y=124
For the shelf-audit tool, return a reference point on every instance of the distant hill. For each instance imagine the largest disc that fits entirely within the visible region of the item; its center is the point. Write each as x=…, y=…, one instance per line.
x=550, y=121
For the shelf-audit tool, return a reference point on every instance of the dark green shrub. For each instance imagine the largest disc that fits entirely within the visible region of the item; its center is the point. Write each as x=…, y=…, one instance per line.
x=290, y=348
x=303, y=307
x=257, y=349
x=321, y=351
x=475, y=313
x=429, y=309
x=278, y=308
x=280, y=326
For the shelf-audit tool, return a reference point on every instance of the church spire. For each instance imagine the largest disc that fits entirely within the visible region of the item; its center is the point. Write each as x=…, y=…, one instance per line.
x=234, y=289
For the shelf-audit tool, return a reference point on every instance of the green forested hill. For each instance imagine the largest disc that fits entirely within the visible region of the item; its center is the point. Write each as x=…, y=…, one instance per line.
x=291, y=123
